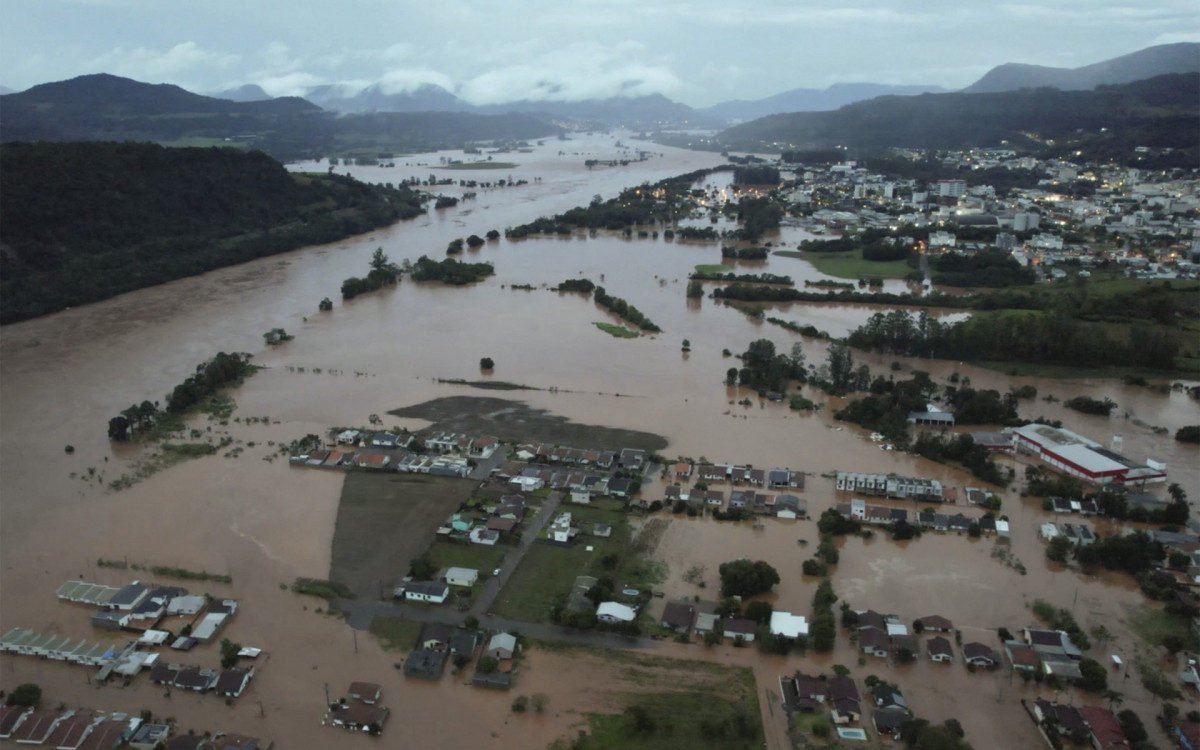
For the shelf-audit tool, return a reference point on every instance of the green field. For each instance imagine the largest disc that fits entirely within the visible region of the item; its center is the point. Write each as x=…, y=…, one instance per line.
x=395, y=634
x=1152, y=624
x=674, y=703
x=850, y=265
x=620, y=332
x=712, y=268
x=458, y=165
x=548, y=571
x=480, y=557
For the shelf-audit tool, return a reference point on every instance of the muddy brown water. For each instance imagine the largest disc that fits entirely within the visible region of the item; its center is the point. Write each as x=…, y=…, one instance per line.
x=63, y=376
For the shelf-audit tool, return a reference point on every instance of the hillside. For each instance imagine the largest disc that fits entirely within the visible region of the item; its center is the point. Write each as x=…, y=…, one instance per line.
x=1163, y=59
x=87, y=221
x=810, y=100
x=1113, y=120
x=109, y=108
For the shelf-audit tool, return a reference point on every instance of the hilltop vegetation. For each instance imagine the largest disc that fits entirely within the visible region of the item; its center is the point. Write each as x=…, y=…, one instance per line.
x=1110, y=121
x=87, y=221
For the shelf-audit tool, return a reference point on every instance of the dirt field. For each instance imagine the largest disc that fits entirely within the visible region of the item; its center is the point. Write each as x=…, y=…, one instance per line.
x=515, y=420
x=384, y=521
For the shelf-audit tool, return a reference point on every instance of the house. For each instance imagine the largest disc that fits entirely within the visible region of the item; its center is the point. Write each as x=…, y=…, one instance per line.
x=464, y=642
x=602, y=530
x=888, y=721
x=1065, y=719
x=1187, y=734
x=682, y=470
x=614, y=612
x=619, y=486
x=426, y=591
x=435, y=636
x=979, y=655
x=632, y=458
x=195, y=678
x=757, y=477
x=106, y=735
x=73, y=730
x=787, y=625
x=887, y=696
x=714, y=498
x=462, y=576
x=365, y=692
x=359, y=716
x=129, y=597
x=936, y=623
x=511, y=507
x=679, y=616
x=812, y=688
x=36, y=727
x=425, y=664
x=1051, y=642
x=560, y=530
x=231, y=682
x=12, y=717
x=483, y=535
x=873, y=642
x=906, y=647
x=580, y=496
x=502, y=646
x=939, y=649
x=789, y=506
x=186, y=605
x=1106, y=730
x=844, y=697
x=736, y=627
x=1022, y=657
x=149, y=736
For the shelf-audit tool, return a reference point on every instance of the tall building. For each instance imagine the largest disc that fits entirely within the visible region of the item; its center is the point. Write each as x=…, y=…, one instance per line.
x=952, y=188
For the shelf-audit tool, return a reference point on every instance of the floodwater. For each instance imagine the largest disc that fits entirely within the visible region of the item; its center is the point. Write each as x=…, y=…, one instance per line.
x=62, y=377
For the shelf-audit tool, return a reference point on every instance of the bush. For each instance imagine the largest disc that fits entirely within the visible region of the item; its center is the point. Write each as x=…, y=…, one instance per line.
x=487, y=364
x=26, y=694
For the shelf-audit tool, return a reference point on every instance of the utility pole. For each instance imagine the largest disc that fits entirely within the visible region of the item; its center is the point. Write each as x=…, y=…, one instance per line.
x=355, y=633
x=327, y=695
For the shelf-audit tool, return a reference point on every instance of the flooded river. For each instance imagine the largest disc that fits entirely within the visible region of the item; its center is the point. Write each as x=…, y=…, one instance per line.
x=62, y=377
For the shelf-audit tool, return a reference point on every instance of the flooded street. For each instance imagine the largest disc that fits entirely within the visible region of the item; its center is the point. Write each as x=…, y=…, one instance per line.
x=252, y=517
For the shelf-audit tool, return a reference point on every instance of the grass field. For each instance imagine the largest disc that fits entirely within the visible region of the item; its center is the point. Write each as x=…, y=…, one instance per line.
x=850, y=265
x=480, y=165
x=395, y=634
x=548, y=570
x=480, y=557
x=1151, y=624
x=619, y=331
x=673, y=703
x=384, y=521
x=712, y=268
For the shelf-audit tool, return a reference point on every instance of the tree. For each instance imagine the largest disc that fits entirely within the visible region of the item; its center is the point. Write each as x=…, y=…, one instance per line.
x=745, y=578
x=379, y=260
x=731, y=376
x=325, y=305
x=759, y=611
x=423, y=568
x=1095, y=677
x=1058, y=549
x=539, y=701
x=229, y=653
x=487, y=364
x=25, y=694
x=687, y=345
x=471, y=622
x=487, y=664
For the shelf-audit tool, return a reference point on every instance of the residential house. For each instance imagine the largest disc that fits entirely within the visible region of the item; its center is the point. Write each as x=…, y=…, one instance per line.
x=979, y=655
x=195, y=678
x=789, y=506
x=787, y=625
x=679, y=616
x=1022, y=657
x=714, y=498
x=360, y=716
x=936, y=623
x=435, y=636
x=149, y=736
x=619, y=486
x=462, y=576
x=36, y=727
x=844, y=696
x=873, y=642
x=231, y=682
x=464, y=642
x=425, y=664
x=365, y=692
x=1106, y=730
x=632, y=458
x=560, y=529
x=73, y=730
x=614, y=612
x=906, y=647
x=889, y=721
x=887, y=696
x=483, y=535
x=434, y=592
x=939, y=649
x=1063, y=718
x=737, y=627
x=502, y=646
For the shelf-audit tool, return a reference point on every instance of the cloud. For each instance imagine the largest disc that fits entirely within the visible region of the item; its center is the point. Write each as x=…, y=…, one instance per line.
x=181, y=62
x=293, y=84
x=401, y=80
x=577, y=72
x=1173, y=37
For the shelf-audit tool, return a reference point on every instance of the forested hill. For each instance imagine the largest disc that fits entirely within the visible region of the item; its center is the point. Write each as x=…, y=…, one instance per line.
x=110, y=108
x=1159, y=112
x=86, y=221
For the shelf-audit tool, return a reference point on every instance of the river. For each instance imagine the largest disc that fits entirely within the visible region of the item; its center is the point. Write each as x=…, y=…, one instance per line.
x=63, y=376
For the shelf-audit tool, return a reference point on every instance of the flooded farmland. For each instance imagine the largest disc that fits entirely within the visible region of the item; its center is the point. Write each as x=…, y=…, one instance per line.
x=249, y=515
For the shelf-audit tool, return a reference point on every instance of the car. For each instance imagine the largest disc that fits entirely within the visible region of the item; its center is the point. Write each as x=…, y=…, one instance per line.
x=496, y=572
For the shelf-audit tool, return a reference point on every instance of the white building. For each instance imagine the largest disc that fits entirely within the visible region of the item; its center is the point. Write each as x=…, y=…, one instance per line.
x=612, y=612
x=462, y=576
x=788, y=625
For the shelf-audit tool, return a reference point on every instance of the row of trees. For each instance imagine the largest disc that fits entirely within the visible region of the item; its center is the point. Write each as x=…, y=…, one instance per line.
x=624, y=310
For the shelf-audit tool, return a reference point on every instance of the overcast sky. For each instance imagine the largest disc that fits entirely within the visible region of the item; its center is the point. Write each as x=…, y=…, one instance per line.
x=698, y=52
